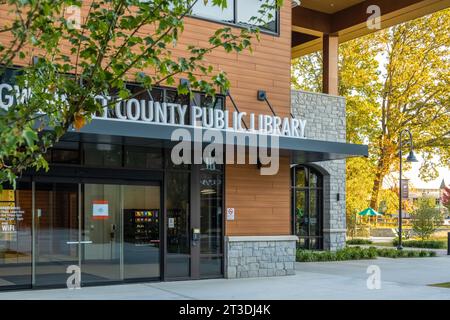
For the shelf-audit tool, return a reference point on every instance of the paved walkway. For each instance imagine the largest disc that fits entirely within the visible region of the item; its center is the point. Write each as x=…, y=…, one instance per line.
x=400, y=279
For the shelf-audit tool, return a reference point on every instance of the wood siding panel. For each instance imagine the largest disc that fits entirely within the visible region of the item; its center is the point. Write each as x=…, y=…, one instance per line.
x=262, y=203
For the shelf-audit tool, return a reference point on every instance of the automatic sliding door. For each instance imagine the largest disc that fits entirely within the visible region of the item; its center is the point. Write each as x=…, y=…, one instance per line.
x=101, y=233
x=57, y=241
x=141, y=246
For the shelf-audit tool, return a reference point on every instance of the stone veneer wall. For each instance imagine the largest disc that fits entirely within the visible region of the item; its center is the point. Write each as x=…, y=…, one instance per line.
x=326, y=120
x=260, y=256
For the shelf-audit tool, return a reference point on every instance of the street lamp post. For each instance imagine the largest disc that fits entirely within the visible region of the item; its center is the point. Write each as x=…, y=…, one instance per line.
x=411, y=158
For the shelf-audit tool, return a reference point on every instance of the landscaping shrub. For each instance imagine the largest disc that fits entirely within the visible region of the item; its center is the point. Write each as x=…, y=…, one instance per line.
x=359, y=241
x=358, y=253
x=429, y=244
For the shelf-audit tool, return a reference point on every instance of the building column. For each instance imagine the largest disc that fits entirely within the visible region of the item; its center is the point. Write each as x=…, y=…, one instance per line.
x=330, y=64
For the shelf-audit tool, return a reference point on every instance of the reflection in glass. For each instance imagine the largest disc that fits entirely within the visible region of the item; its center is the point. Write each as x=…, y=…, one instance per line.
x=178, y=241
x=313, y=180
x=172, y=96
x=15, y=236
x=215, y=103
x=143, y=158
x=141, y=214
x=56, y=231
x=313, y=214
x=301, y=213
x=300, y=177
x=210, y=11
x=102, y=155
x=247, y=9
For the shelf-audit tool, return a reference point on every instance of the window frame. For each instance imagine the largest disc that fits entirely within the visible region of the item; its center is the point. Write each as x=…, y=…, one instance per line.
x=236, y=24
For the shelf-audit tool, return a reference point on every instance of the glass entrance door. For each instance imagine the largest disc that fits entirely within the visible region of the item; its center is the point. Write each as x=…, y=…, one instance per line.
x=101, y=233
x=141, y=236
x=110, y=231
x=120, y=232
x=194, y=220
x=57, y=231
x=178, y=226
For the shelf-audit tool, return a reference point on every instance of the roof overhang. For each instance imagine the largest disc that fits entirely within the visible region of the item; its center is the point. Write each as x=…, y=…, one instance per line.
x=301, y=150
x=350, y=21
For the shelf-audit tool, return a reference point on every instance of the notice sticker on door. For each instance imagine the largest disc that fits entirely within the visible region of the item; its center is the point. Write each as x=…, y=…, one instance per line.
x=230, y=214
x=100, y=209
x=171, y=223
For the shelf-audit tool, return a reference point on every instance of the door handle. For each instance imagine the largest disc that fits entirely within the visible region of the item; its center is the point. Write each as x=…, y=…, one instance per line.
x=79, y=242
x=195, y=236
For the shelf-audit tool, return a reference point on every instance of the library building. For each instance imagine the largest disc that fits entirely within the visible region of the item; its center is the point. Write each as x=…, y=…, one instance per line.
x=119, y=208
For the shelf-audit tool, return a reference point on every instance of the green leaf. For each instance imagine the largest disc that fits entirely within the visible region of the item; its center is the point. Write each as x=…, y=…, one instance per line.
x=30, y=136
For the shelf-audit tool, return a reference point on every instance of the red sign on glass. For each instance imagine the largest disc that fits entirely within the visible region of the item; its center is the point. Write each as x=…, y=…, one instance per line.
x=100, y=210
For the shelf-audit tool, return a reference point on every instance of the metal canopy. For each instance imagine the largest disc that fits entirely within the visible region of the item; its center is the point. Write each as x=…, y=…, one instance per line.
x=136, y=132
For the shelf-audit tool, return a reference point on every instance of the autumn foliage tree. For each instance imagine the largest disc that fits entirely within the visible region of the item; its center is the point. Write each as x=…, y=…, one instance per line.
x=395, y=79
x=446, y=197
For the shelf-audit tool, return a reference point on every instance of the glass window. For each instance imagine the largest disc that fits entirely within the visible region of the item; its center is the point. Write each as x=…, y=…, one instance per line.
x=314, y=181
x=143, y=158
x=300, y=177
x=172, y=96
x=65, y=156
x=248, y=10
x=15, y=236
x=210, y=11
x=102, y=155
x=307, y=202
x=171, y=165
x=64, y=152
x=301, y=214
x=243, y=12
x=216, y=103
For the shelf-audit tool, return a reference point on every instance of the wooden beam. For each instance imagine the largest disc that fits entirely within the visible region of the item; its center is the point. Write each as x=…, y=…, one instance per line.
x=330, y=64
x=307, y=31
x=308, y=19
x=357, y=14
x=299, y=38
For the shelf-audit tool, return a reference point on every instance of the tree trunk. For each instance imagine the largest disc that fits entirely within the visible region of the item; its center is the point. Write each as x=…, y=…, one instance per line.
x=377, y=183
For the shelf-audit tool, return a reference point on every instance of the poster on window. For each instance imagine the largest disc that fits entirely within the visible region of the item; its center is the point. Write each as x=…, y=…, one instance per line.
x=10, y=218
x=100, y=209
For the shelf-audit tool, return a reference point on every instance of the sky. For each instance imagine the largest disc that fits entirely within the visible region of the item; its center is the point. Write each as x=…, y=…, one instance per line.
x=391, y=180
x=413, y=175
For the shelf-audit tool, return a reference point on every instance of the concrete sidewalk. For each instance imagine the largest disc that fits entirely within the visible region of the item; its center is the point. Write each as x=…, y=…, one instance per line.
x=401, y=279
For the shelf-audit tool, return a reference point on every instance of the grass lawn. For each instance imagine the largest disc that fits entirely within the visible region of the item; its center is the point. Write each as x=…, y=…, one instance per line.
x=383, y=244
